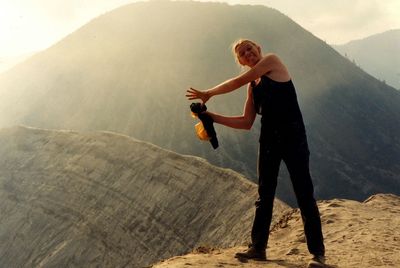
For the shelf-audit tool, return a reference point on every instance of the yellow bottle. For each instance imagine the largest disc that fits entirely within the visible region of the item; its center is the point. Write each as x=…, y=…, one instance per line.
x=201, y=132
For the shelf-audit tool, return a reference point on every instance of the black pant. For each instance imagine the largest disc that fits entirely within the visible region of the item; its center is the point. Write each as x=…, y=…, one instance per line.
x=294, y=152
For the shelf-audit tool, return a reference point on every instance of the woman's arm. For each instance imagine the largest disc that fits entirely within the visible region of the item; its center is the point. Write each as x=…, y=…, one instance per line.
x=244, y=121
x=267, y=64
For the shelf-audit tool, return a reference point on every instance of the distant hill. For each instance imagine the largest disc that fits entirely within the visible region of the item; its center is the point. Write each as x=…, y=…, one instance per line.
x=377, y=54
x=71, y=199
x=127, y=71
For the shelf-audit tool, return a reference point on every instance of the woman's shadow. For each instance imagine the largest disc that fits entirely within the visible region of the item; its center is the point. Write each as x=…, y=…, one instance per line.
x=283, y=263
x=279, y=262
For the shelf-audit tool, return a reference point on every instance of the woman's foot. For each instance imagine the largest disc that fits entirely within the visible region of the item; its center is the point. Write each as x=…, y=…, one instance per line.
x=317, y=261
x=252, y=253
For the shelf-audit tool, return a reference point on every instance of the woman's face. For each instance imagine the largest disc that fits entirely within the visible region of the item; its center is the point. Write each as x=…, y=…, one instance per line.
x=248, y=54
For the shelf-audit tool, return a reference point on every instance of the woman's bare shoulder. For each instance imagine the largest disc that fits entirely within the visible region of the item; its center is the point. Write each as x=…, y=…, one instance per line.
x=271, y=56
x=279, y=71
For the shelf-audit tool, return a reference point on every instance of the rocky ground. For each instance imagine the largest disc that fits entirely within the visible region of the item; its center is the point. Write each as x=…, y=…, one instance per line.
x=357, y=234
x=70, y=199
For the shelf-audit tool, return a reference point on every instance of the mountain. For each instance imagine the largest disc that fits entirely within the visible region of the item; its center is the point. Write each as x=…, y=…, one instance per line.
x=8, y=62
x=127, y=71
x=101, y=199
x=356, y=235
x=377, y=54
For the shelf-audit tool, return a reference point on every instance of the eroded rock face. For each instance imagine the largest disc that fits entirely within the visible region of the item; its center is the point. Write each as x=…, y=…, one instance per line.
x=357, y=234
x=102, y=199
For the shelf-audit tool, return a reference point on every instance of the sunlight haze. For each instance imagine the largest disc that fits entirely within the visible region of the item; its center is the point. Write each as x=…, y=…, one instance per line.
x=30, y=26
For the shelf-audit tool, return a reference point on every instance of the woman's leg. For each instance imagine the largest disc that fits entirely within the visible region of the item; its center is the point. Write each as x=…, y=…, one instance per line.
x=268, y=169
x=297, y=162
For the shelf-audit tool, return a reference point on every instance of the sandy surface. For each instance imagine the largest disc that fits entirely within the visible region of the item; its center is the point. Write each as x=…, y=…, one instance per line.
x=357, y=234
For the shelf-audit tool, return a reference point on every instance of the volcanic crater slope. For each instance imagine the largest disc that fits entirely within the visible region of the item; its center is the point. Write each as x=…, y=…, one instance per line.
x=70, y=199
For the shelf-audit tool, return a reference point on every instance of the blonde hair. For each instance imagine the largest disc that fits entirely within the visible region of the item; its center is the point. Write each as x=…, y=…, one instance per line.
x=235, y=45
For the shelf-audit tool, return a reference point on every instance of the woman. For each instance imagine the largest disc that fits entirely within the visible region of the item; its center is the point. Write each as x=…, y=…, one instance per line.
x=271, y=94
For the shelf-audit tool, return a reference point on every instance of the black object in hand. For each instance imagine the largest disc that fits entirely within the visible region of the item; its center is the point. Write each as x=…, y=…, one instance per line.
x=198, y=109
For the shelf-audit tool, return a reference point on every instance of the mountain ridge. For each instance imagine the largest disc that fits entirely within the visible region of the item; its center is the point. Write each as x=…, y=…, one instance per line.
x=127, y=72
x=377, y=54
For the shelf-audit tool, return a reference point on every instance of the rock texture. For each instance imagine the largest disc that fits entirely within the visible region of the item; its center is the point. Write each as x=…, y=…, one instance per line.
x=356, y=234
x=71, y=199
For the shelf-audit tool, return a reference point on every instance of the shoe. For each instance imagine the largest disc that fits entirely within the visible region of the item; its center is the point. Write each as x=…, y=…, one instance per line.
x=317, y=261
x=252, y=253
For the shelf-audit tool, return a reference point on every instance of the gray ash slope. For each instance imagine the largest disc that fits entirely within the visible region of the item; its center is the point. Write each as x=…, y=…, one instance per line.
x=71, y=199
x=127, y=71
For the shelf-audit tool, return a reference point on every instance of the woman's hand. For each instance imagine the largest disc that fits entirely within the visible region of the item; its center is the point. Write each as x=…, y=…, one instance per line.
x=193, y=94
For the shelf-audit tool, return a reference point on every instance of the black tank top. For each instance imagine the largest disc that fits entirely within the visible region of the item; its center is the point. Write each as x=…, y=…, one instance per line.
x=277, y=103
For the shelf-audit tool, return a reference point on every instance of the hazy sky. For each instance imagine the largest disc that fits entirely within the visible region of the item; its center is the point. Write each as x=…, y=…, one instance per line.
x=33, y=25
